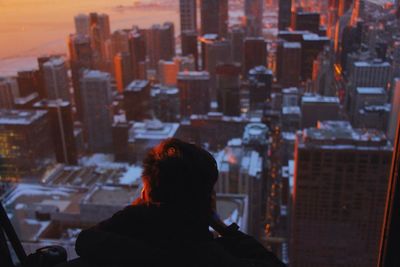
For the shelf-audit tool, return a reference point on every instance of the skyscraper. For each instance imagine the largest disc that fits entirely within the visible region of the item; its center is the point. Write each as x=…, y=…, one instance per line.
x=123, y=70
x=394, y=115
x=284, y=14
x=189, y=46
x=289, y=64
x=165, y=103
x=62, y=129
x=81, y=57
x=194, y=92
x=228, y=88
x=260, y=79
x=214, y=17
x=255, y=53
x=82, y=24
x=316, y=108
x=188, y=15
x=56, y=79
x=340, y=174
x=305, y=21
x=253, y=10
x=97, y=113
x=137, y=50
x=137, y=100
x=26, y=146
x=6, y=94
x=160, y=41
x=236, y=36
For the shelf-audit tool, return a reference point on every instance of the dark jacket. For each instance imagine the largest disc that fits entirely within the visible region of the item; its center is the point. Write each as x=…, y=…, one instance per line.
x=154, y=235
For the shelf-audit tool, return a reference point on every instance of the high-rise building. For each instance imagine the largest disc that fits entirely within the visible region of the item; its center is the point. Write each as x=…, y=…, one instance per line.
x=323, y=73
x=311, y=46
x=260, y=79
x=62, y=129
x=188, y=14
x=160, y=42
x=82, y=24
x=366, y=97
x=315, y=108
x=305, y=21
x=253, y=11
x=123, y=70
x=120, y=134
x=165, y=103
x=26, y=146
x=120, y=41
x=97, y=111
x=241, y=173
x=189, y=46
x=167, y=72
x=284, y=14
x=289, y=64
x=228, y=88
x=217, y=52
x=214, y=17
x=340, y=186
x=6, y=94
x=374, y=73
x=194, y=92
x=81, y=58
x=394, y=115
x=28, y=82
x=137, y=100
x=56, y=79
x=137, y=50
x=236, y=36
x=255, y=53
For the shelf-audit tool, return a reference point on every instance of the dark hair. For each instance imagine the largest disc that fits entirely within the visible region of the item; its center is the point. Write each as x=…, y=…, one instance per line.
x=180, y=174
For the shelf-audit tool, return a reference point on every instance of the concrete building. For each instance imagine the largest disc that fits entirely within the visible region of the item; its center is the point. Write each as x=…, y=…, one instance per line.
x=255, y=53
x=165, y=103
x=137, y=100
x=56, y=79
x=6, y=93
x=284, y=15
x=228, y=89
x=26, y=145
x=240, y=172
x=123, y=70
x=394, y=115
x=82, y=24
x=253, y=11
x=188, y=15
x=194, y=87
x=62, y=129
x=214, y=17
x=167, y=72
x=160, y=42
x=289, y=64
x=316, y=108
x=340, y=173
x=97, y=114
x=147, y=134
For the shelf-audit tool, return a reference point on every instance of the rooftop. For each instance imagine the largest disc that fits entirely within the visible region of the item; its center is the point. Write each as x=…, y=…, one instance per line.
x=152, y=129
x=373, y=63
x=193, y=75
x=137, y=85
x=311, y=99
x=51, y=103
x=20, y=117
x=371, y=90
x=111, y=195
x=291, y=45
x=95, y=75
x=341, y=135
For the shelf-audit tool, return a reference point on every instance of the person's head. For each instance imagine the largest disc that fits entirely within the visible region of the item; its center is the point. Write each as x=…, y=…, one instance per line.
x=180, y=175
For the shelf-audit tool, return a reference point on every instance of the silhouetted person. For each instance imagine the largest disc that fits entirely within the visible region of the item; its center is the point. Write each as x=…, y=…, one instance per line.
x=169, y=224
